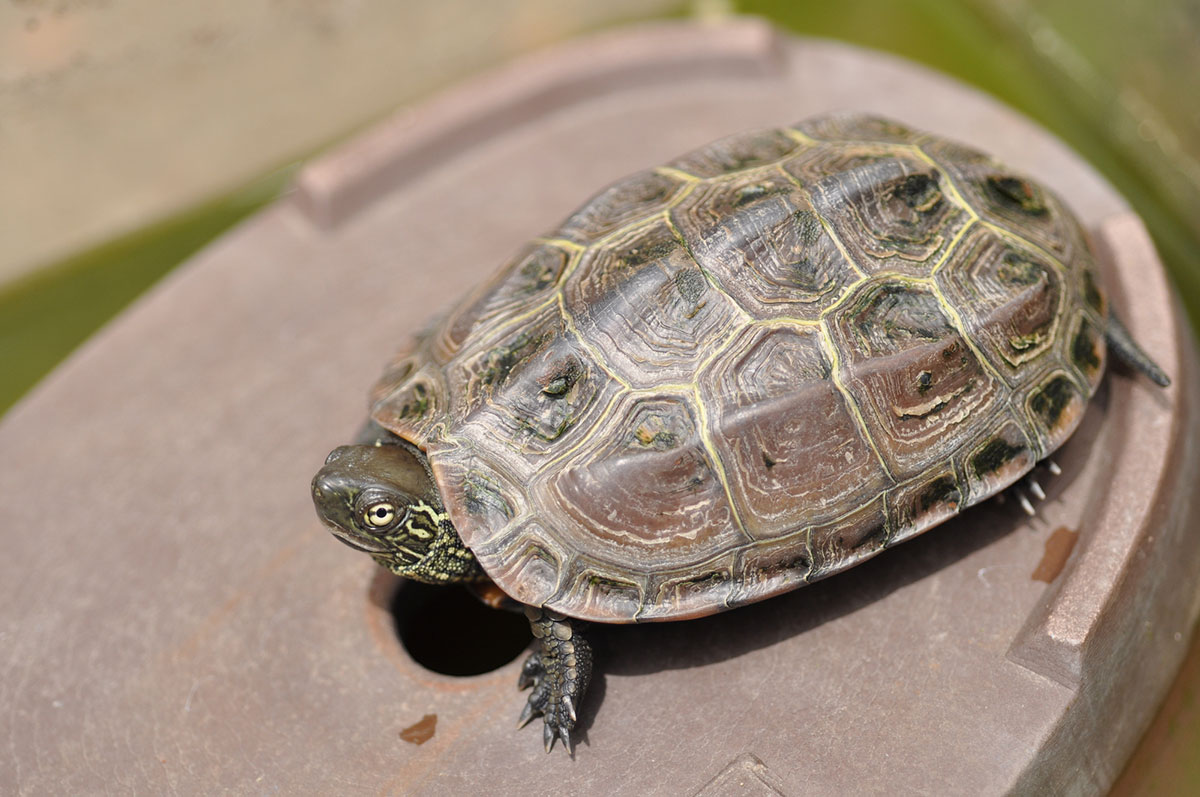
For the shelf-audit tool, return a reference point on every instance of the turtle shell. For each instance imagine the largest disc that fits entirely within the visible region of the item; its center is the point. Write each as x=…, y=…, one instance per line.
x=760, y=364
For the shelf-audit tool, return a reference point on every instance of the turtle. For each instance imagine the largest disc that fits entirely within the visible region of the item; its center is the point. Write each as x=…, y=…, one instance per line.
x=727, y=377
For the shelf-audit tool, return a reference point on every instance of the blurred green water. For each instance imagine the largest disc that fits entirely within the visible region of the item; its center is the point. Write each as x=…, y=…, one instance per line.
x=46, y=315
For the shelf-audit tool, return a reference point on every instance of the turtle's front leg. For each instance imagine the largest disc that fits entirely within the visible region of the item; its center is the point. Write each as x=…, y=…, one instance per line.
x=558, y=670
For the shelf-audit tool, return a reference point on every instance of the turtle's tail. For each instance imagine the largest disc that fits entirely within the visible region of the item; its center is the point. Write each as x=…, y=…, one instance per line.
x=1122, y=345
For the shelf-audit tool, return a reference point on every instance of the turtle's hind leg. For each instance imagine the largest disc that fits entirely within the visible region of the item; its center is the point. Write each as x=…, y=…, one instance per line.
x=559, y=671
x=1122, y=346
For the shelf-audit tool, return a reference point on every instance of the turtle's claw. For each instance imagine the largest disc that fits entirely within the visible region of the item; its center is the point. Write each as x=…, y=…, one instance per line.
x=561, y=730
x=558, y=672
x=526, y=715
x=531, y=671
x=564, y=733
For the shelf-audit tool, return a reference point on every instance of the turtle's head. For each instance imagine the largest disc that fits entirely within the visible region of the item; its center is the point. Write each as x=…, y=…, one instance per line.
x=381, y=500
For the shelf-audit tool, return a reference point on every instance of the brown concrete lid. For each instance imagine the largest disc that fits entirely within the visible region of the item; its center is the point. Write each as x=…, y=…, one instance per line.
x=174, y=618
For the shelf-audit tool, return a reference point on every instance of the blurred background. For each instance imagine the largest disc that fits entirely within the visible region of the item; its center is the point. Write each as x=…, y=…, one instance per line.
x=133, y=132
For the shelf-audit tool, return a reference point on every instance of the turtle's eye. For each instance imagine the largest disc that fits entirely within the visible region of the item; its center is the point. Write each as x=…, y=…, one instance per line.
x=379, y=515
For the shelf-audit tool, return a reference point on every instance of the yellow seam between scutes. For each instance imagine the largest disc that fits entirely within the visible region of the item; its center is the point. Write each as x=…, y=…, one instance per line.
x=646, y=222
x=945, y=258
x=679, y=236
x=991, y=225
x=718, y=464
x=596, y=423
x=569, y=269
x=504, y=326
x=834, y=367
x=561, y=243
x=1025, y=242
x=1066, y=273
x=837, y=242
x=786, y=322
x=799, y=137
x=960, y=327
x=599, y=359
x=958, y=197
x=677, y=174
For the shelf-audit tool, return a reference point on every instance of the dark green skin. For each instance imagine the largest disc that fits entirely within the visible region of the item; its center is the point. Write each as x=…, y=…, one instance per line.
x=379, y=497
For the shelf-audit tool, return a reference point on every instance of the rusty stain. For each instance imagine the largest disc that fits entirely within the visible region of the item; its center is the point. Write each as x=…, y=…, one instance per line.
x=421, y=731
x=1059, y=545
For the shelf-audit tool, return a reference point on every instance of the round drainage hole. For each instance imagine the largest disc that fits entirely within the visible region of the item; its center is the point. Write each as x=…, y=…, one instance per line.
x=448, y=630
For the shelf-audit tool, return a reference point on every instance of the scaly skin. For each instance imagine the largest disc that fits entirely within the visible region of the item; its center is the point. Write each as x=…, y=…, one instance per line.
x=558, y=671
